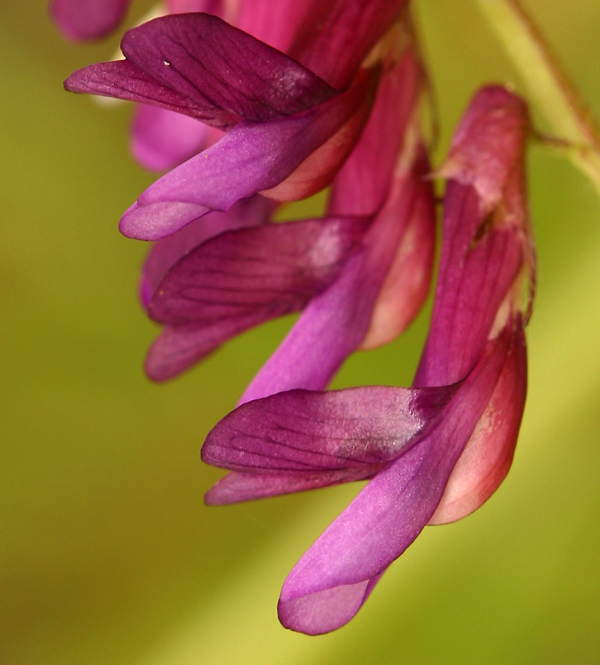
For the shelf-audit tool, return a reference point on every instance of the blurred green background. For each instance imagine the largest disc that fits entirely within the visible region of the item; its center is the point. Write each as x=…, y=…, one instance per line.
x=107, y=553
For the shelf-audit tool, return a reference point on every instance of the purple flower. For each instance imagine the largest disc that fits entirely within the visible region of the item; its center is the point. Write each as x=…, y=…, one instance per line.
x=291, y=120
x=434, y=452
x=360, y=274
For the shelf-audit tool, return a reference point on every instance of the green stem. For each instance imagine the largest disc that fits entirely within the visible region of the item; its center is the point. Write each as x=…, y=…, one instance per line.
x=547, y=85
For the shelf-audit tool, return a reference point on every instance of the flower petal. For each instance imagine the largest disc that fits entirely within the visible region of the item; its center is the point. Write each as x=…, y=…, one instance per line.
x=123, y=80
x=81, y=20
x=165, y=253
x=274, y=23
x=242, y=278
x=251, y=158
x=334, y=323
x=217, y=65
x=162, y=139
x=276, y=267
x=304, y=431
x=199, y=65
x=337, y=36
x=488, y=455
x=331, y=581
x=237, y=486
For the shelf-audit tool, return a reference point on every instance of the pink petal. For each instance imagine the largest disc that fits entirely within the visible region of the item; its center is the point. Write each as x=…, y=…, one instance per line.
x=82, y=20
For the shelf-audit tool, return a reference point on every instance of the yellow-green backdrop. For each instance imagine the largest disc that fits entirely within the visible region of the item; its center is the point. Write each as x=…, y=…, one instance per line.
x=107, y=553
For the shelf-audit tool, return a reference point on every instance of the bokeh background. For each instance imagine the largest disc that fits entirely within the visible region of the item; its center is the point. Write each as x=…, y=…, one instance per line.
x=107, y=553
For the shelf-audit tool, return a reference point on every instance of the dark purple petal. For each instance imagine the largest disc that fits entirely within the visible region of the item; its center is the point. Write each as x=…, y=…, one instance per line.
x=331, y=581
x=237, y=486
x=307, y=432
x=221, y=67
x=276, y=267
x=165, y=253
x=336, y=36
x=162, y=139
x=251, y=158
x=124, y=80
x=198, y=65
x=240, y=279
x=81, y=20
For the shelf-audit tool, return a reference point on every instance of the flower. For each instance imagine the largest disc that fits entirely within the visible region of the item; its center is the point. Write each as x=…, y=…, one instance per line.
x=291, y=120
x=361, y=273
x=434, y=452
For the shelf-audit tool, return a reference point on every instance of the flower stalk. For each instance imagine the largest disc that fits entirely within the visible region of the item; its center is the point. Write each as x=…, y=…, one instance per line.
x=548, y=86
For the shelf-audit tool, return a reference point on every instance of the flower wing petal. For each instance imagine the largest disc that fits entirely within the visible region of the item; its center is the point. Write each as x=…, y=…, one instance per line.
x=307, y=432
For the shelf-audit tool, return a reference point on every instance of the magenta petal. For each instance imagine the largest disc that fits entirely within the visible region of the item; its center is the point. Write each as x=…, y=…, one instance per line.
x=177, y=348
x=303, y=431
x=274, y=23
x=363, y=183
x=474, y=278
x=81, y=20
x=162, y=139
x=276, y=267
x=149, y=222
x=222, y=68
x=337, y=36
x=331, y=581
x=237, y=486
x=166, y=252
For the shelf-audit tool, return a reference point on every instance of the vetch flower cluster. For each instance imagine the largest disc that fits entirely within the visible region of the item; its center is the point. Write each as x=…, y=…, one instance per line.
x=293, y=97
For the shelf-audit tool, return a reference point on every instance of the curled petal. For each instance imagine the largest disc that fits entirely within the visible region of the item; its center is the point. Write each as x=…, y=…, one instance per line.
x=473, y=281
x=331, y=581
x=363, y=183
x=81, y=20
x=238, y=486
x=148, y=222
x=487, y=456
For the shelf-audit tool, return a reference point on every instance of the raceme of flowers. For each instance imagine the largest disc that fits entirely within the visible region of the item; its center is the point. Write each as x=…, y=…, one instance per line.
x=282, y=100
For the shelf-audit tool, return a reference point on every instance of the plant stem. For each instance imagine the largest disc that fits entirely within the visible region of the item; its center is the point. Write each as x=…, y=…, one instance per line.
x=547, y=85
